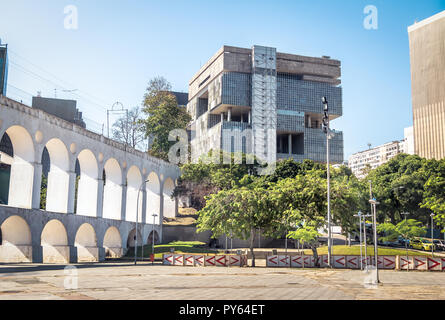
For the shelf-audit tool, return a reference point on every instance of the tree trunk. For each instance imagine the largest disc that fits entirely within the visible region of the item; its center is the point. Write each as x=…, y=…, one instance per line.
x=252, y=240
x=315, y=253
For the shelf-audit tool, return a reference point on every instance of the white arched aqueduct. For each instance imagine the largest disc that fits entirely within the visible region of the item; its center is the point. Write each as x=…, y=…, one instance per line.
x=92, y=187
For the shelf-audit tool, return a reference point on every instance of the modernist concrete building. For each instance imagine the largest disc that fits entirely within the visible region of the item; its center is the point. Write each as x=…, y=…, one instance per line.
x=375, y=157
x=427, y=52
x=266, y=103
x=87, y=216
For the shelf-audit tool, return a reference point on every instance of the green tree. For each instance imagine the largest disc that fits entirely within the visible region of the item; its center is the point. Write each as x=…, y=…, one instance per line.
x=434, y=196
x=163, y=115
x=240, y=211
x=43, y=191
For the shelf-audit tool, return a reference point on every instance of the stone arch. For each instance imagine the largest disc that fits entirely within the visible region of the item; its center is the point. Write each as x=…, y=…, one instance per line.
x=153, y=189
x=131, y=240
x=134, y=181
x=86, y=243
x=150, y=237
x=22, y=168
x=86, y=204
x=169, y=203
x=16, y=240
x=112, y=202
x=58, y=177
x=113, y=243
x=54, y=241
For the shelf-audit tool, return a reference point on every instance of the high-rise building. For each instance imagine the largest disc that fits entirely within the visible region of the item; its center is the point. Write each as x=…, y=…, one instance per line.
x=362, y=161
x=427, y=52
x=3, y=68
x=266, y=103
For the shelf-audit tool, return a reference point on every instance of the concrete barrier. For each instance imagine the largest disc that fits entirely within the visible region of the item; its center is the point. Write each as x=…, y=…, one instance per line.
x=339, y=261
x=434, y=264
x=406, y=263
x=178, y=260
x=420, y=263
x=353, y=262
x=189, y=260
x=234, y=261
x=296, y=262
x=168, y=259
x=220, y=261
x=272, y=261
x=199, y=260
x=388, y=262
x=209, y=261
x=284, y=261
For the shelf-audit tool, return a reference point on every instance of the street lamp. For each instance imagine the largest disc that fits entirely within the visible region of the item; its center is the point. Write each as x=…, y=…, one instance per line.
x=374, y=203
x=432, y=236
x=153, y=235
x=365, y=237
x=406, y=243
x=137, y=218
x=359, y=215
x=329, y=135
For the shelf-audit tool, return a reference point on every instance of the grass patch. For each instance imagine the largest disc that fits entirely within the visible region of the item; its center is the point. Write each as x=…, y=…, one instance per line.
x=355, y=250
x=178, y=247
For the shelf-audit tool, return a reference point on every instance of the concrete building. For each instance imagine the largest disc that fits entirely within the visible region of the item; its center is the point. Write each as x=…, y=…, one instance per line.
x=262, y=102
x=3, y=68
x=64, y=109
x=362, y=161
x=427, y=52
x=88, y=215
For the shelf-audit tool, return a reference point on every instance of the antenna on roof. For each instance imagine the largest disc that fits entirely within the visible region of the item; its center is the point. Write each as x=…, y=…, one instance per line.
x=369, y=145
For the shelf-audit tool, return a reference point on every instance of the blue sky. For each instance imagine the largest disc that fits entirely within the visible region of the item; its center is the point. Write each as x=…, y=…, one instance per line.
x=120, y=45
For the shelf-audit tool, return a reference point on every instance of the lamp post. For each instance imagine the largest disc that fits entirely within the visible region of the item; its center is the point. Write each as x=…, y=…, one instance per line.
x=137, y=218
x=359, y=215
x=365, y=237
x=406, y=243
x=432, y=234
x=153, y=235
x=327, y=131
x=374, y=203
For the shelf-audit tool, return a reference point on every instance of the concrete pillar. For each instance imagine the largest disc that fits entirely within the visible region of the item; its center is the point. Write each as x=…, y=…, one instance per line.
x=124, y=203
x=73, y=254
x=249, y=117
x=144, y=203
x=290, y=143
x=71, y=191
x=36, y=185
x=309, y=122
x=229, y=115
x=222, y=117
x=100, y=198
x=37, y=253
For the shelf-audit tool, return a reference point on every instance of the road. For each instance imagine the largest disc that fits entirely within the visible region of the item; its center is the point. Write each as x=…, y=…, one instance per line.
x=125, y=281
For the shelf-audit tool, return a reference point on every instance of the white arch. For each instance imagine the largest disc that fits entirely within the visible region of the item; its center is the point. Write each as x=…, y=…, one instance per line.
x=134, y=180
x=86, y=243
x=150, y=237
x=112, y=190
x=58, y=177
x=113, y=243
x=153, y=189
x=131, y=240
x=54, y=241
x=88, y=183
x=16, y=240
x=22, y=169
x=169, y=203
x=85, y=236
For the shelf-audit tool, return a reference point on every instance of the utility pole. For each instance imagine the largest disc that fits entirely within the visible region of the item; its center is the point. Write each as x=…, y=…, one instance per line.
x=406, y=243
x=359, y=215
x=327, y=131
x=374, y=203
x=137, y=218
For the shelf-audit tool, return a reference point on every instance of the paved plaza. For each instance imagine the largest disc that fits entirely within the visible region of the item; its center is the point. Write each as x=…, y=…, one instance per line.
x=156, y=282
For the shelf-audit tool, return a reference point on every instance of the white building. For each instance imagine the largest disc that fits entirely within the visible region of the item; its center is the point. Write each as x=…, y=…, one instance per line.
x=375, y=157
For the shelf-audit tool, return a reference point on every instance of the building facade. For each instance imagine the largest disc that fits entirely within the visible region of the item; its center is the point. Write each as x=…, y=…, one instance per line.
x=3, y=68
x=262, y=102
x=427, y=52
x=363, y=161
